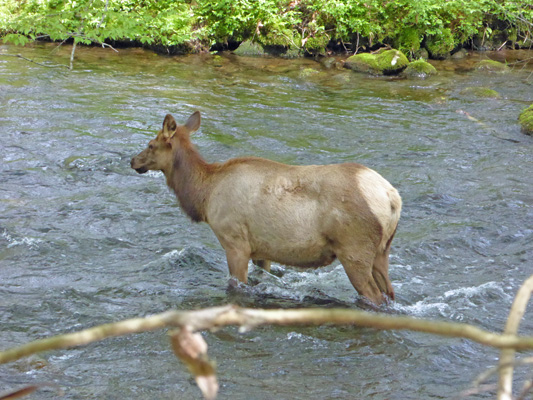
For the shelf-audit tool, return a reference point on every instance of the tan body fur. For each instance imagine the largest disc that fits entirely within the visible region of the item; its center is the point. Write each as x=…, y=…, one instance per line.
x=304, y=216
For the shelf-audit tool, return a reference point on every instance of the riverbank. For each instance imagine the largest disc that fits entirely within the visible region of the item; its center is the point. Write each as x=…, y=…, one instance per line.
x=428, y=29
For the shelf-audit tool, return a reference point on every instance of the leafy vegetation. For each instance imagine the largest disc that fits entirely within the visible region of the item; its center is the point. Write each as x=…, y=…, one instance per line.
x=308, y=25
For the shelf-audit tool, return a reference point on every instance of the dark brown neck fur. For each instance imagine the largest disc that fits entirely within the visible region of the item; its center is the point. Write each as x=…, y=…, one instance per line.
x=189, y=179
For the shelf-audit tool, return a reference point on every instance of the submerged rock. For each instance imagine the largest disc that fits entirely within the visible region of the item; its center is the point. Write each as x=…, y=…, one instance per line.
x=419, y=69
x=481, y=92
x=492, y=66
x=308, y=72
x=526, y=120
x=388, y=62
x=459, y=55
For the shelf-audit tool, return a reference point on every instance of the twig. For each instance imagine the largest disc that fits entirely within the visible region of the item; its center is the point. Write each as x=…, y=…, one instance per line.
x=246, y=318
x=505, y=384
x=528, y=385
x=476, y=390
x=503, y=44
x=494, y=370
x=35, y=62
x=72, y=54
x=108, y=45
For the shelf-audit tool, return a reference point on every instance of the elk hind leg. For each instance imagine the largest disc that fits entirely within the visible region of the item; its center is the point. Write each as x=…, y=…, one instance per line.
x=359, y=271
x=380, y=272
x=265, y=264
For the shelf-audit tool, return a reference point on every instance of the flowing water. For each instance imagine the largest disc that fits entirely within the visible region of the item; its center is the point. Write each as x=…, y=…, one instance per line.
x=84, y=240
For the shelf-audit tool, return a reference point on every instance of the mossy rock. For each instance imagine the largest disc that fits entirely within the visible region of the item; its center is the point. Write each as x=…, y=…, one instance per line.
x=249, y=48
x=440, y=46
x=526, y=120
x=492, y=66
x=387, y=62
x=419, y=69
x=484, y=92
x=391, y=62
x=281, y=51
x=362, y=62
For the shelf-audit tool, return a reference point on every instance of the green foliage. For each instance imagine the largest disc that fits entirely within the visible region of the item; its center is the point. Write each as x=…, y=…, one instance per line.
x=440, y=45
x=95, y=21
x=298, y=24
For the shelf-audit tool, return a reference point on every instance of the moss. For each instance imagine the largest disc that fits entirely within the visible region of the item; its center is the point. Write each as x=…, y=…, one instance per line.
x=481, y=92
x=420, y=69
x=391, y=62
x=492, y=66
x=526, y=120
x=440, y=46
x=362, y=62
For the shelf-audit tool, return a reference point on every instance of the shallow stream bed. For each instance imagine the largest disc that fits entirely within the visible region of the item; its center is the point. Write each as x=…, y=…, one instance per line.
x=84, y=240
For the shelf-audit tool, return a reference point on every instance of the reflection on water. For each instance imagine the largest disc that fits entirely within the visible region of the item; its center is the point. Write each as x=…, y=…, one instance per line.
x=84, y=240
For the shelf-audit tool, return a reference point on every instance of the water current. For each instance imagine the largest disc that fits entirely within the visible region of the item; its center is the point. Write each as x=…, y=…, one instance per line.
x=84, y=240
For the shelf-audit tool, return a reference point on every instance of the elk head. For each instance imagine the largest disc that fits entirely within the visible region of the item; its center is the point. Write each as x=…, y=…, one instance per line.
x=158, y=156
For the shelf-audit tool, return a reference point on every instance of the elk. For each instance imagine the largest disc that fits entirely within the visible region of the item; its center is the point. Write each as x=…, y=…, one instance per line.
x=303, y=216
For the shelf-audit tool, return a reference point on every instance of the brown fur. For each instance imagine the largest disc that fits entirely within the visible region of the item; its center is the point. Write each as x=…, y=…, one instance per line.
x=304, y=216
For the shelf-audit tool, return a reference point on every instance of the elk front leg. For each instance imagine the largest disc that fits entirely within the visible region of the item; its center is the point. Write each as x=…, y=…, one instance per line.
x=238, y=263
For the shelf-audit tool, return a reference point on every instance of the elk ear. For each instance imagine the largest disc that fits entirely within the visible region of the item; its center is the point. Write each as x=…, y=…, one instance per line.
x=193, y=123
x=169, y=126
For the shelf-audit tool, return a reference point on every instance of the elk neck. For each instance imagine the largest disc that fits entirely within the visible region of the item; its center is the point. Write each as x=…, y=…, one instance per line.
x=189, y=177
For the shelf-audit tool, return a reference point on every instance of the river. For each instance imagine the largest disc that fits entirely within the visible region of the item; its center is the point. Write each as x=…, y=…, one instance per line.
x=84, y=240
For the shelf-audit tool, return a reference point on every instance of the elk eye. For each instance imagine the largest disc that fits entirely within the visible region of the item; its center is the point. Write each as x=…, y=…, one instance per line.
x=151, y=146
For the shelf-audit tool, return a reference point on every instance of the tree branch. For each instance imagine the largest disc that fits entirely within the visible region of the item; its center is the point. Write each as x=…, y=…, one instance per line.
x=505, y=385
x=246, y=318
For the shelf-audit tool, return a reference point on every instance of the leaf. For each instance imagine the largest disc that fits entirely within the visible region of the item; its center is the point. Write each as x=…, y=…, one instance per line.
x=191, y=349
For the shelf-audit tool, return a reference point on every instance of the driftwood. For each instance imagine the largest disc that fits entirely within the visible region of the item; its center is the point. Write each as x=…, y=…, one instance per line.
x=192, y=350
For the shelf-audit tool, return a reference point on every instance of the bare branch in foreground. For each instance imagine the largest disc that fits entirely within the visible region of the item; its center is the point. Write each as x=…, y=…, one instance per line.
x=192, y=349
x=247, y=318
x=505, y=385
